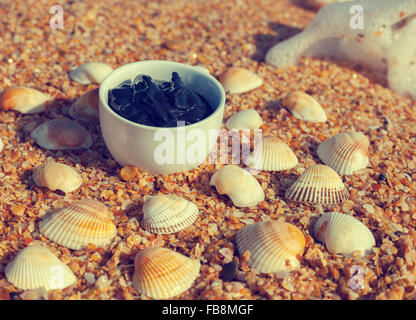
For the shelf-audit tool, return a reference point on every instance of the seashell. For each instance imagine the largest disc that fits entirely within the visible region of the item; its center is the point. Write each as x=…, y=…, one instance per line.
x=83, y=222
x=274, y=246
x=85, y=108
x=24, y=100
x=318, y=184
x=168, y=214
x=62, y=135
x=304, y=107
x=90, y=72
x=162, y=273
x=37, y=267
x=242, y=188
x=345, y=152
x=239, y=80
x=57, y=176
x=273, y=155
x=245, y=119
x=343, y=234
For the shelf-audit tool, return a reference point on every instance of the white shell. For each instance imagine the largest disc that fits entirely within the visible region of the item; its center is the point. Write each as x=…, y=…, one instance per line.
x=83, y=222
x=37, y=267
x=318, y=184
x=273, y=155
x=304, y=107
x=168, y=214
x=345, y=152
x=162, y=273
x=57, y=176
x=24, y=100
x=238, y=184
x=85, y=108
x=62, y=135
x=245, y=119
x=274, y=246
x=343, y=234
x=90, y=72
x=239, y=80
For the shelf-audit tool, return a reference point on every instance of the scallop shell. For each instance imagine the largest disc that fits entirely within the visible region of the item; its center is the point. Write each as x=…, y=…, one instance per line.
x=304, y=107
x=274, y=246
x=242, y=188
x=62, y=135
x=162, y=273
x=343, y=234
x=238, y=80
x=83, y=222
x=168, y=214
x=273, y=155
x=245, y=119
x=90, y=72
x=318, y=184
x=57, y=176
x=345, y=152
x=37, y=267
x=24, y=100
x=85, y=108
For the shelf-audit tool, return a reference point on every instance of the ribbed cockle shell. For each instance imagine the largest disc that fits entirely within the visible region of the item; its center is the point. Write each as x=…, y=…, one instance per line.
x=304, y=107
x=162, y=273
x=239, y=80
x=91, y=72
x=24, y=100
x=168, y=214
x=85, y=108
x=37, y=267
x=83, y=222
x=245, y=119
x=274, y=246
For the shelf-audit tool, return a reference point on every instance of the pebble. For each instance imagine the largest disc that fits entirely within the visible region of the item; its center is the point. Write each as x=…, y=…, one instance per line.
x=89, y=277
x=229, y=271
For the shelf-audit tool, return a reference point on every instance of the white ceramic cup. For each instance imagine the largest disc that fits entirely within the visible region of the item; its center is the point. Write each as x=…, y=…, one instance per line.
x=162, y=150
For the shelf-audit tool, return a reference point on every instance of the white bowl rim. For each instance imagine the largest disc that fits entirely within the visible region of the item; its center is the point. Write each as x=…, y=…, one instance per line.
x=138, y=125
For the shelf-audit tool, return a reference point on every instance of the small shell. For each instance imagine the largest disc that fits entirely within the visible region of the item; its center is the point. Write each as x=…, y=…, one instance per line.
x=168, y=214
x=62, y=135
x=343, y=234
x=57, y=176
x=304, y=107
x=83, y=222
x=345, y=152
x=86, y=107
x=24, y=100
x=318, y=184
x=242, y=188
x=273, y=155
x=274, y=246
x=37, y=267
x=90, y=72
x=245, y=119
x=162, y=273
x=238, y=80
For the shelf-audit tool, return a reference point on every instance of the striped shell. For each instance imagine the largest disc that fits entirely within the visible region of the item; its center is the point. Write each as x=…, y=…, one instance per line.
x=62, y=135
x=245, y=119
x=24, y=100
x=168, y=214
x=83, y=222
x=318, y=184
x=274, y=246
x=37, y=267
x=345, y=152
x=239, y=80
x=162, y=273
x=57, y=176
x=85, y=108
x=304, y=107
x=343, y=234
x=273, y=155
x=238, y=184
x=90, y=72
